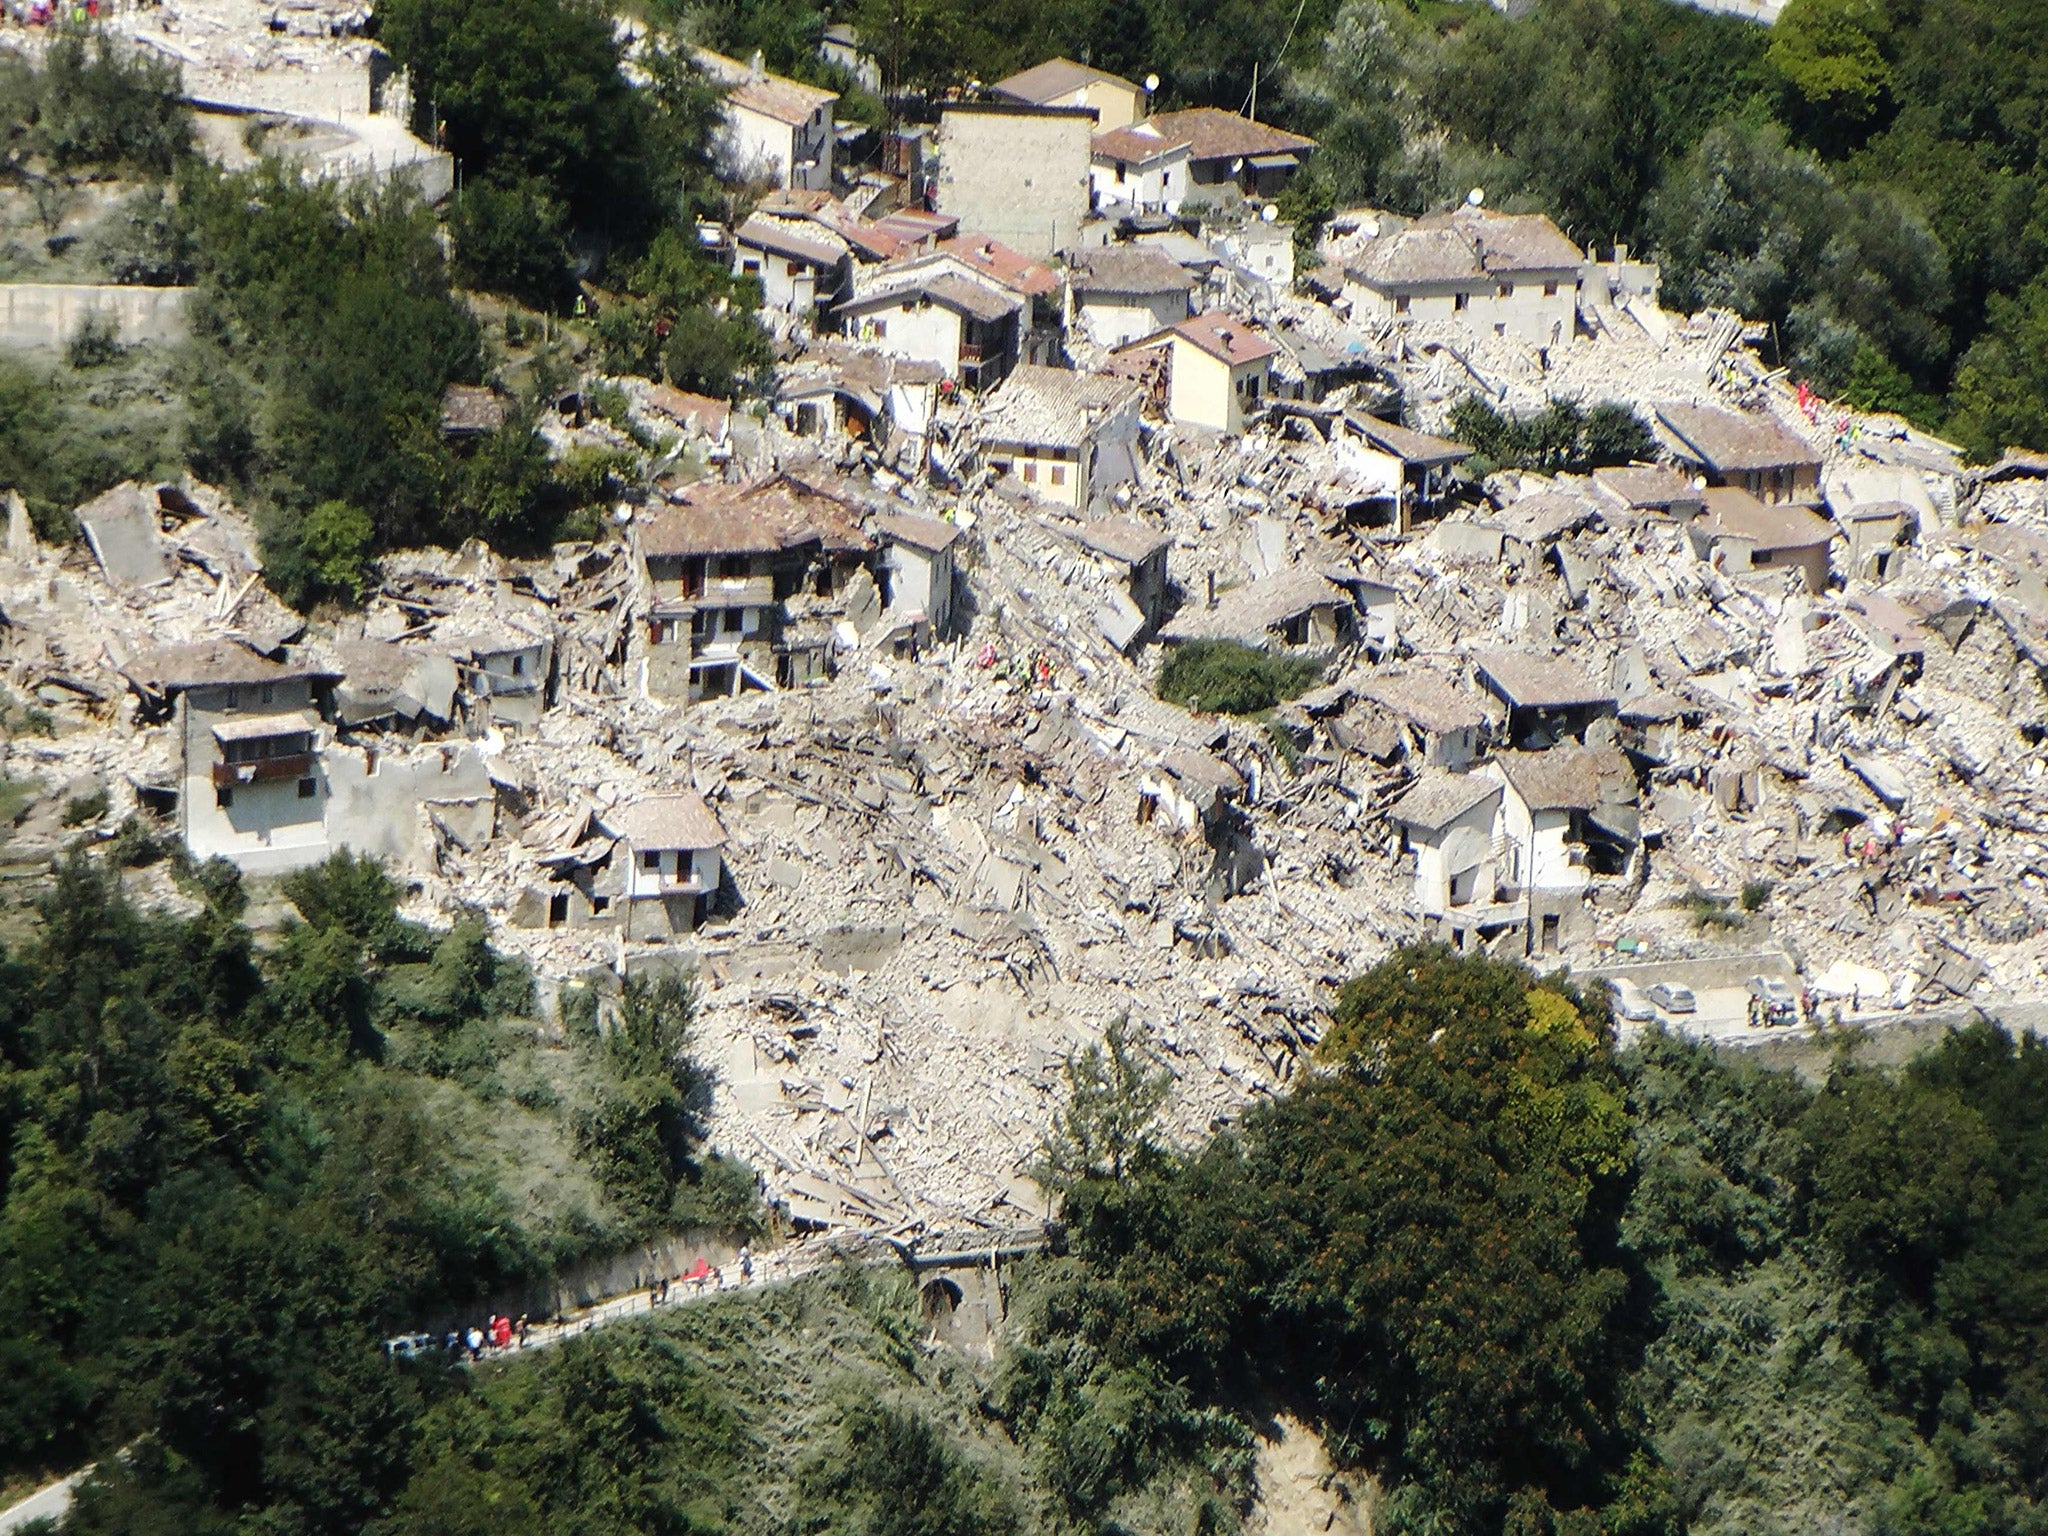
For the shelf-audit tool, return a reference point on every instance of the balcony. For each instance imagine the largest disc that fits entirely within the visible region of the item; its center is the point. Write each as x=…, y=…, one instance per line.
x=294, y=765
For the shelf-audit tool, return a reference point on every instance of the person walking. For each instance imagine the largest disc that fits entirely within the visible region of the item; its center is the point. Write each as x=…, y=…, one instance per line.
x=476, y=1342
x=524, y=1328
x=746, y=1265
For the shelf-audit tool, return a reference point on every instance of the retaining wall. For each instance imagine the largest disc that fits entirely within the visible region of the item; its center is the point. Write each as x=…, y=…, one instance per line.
x=45, y=316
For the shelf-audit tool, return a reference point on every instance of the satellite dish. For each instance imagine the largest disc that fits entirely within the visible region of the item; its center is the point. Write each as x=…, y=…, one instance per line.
x=1270, y=212
x=1237, y=165
x=1151, y=84
x=1370, y=228
x=1475, y=197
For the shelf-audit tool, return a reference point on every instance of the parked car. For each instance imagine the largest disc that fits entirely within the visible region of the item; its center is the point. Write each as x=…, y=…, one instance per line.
x=1673, y=998
x=1773, y=1002
x=408, y=1346
x=1628, y=1001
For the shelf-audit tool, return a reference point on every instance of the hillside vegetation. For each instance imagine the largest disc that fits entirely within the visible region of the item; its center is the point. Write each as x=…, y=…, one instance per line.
x=1533, y=1285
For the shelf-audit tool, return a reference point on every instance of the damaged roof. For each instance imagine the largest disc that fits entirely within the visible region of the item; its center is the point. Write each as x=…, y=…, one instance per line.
x=1408, y=445
x=763, y=518
x=1565, y=778
x=700, y=413
x=678, y=820
x=978, y=301
x=1423, y=698
x=1247, y=612
x=1466, y=245
x=1044, y=407
x=1645, y=487
x=1440, y=798
x=468, y=409
x=211, y=663
x=1532, y=679
x=1726, y=442
x=991, y=258
x=787, y=237
x=1120, y=538
x=1733, y=513
x=773, y=96
x=926, y=533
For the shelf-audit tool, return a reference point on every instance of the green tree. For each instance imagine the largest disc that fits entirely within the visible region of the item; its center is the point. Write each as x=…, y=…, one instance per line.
x=2001, y=387
x=1112, y=1110
x=1828, y=53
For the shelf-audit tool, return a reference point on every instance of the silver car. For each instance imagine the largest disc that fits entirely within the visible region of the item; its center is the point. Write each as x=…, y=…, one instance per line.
x=1627, y=1001
x=1673, y=998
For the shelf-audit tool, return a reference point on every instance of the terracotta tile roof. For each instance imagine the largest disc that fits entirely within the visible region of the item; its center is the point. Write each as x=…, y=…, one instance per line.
x=1423, y=698
x=980, y=301
x=789, y=237
x=1044, y=407
x=763, y=518
x=786, y=101
x=211, y=663
x=1247, y=612
x=1216, y=135
x=1467, y=245
x=1046, y=82
x=1440, y=798
x=1013, y=269
x=1120, y=538
x=1408, y=445
x=1529, y=679
x=698, y=412
x=677, y=820
x=1566, y=778
x=1128, y=269
x=1224, y=337
x=1137, y=144
x=925, y=533
x=1642, y=487
x=1733, y=513
x=1727, y=442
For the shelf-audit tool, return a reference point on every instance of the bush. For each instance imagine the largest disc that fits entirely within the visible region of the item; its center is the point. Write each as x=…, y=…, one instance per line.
x=96, y=342
x=81, y=809
x=1226, y=678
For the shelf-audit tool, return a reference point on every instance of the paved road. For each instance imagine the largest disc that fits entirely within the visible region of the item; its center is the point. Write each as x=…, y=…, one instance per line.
x=1723, y=1019
x=49, y=1502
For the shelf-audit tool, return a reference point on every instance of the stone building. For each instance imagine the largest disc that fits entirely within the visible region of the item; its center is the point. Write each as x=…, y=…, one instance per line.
x=1018, y=174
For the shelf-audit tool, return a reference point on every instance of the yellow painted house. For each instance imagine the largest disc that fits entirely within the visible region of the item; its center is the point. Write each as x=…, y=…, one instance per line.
x=1218, y=371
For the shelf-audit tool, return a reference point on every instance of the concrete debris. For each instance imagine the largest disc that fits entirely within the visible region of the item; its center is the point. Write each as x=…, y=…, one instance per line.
x=864, y=730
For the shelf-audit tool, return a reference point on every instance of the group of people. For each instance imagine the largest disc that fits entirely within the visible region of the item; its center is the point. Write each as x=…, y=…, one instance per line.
x=700, y=1277
x=495, y=1334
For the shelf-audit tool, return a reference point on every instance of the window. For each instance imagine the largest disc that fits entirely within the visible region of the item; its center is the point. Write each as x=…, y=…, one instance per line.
x=650, y=858
x=599, y=905
x=269, y=694
x=1401, y=305
x=519, y=666
x=308, y=788
x=1760, y=557
x=1459, y=302
x=881, y=329
x=1550, y=290
x=234, y=698
x=1059, y=474
x=1507, y=290
x=735, y=619
x=224, y=798
x=750, y=268
x=1030, y=472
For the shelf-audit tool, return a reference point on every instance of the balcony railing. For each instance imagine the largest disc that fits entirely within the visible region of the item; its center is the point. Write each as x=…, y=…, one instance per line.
x=294, y=765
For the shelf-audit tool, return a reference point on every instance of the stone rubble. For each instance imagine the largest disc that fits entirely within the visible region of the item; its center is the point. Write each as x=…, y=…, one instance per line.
x=950, y=867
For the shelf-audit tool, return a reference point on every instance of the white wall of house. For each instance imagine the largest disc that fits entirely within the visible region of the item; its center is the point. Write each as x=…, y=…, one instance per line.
x=920, y=578
x=787, y=285
x=757, y=143
x=1447, y=875
x=923, y=332
x=1158, y=186
x=1538, y=851
x=1114, y=319
x=1541, y=309
x=674, y=872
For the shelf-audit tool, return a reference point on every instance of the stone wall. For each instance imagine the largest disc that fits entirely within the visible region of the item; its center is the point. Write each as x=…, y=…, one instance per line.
x=1016, y=174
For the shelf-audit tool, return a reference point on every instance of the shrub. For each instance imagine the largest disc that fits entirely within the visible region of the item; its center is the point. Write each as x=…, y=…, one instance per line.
x=81, y=809
x=1227, y=678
